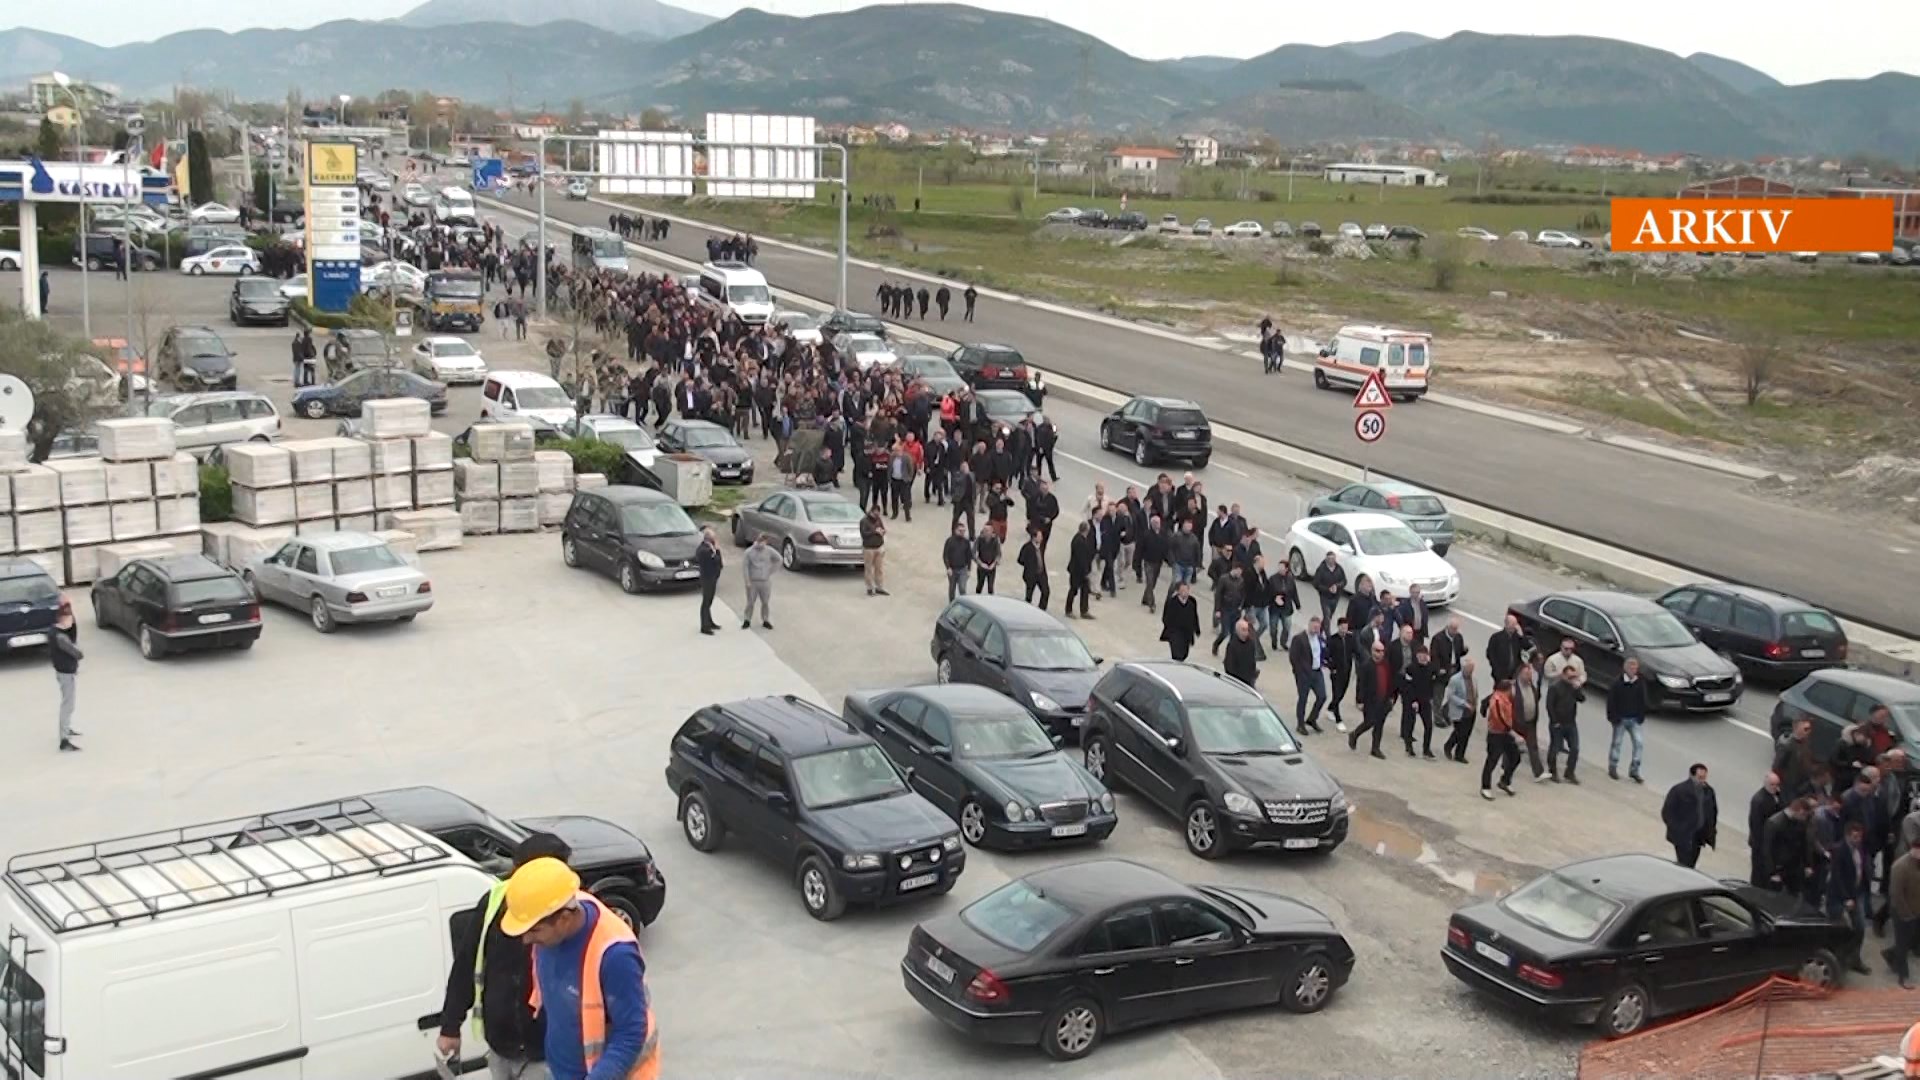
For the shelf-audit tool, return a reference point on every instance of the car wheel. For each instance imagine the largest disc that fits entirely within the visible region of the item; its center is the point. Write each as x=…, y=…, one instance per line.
x=9, y=264
x=569, y=553
x=1822, y=969
x=1106, y=437
x=733, y=528
x=789, y=555
x=943, y=670
x=629, y=579
x=1319, y=379
x=1141, y=456
x=1298, y=564
x=150, y=646
x=817, y=892
x=973, y=822
x=1308, y=985
x=628, y=911
x=93, y=263
x=322, y=615
x=1201, y=461
x=697, y=821
x=1094, y=756
x=1624, y=1011
x=315, y=409
x=1203, y=830
x=1072, y=1030
x=196, y=270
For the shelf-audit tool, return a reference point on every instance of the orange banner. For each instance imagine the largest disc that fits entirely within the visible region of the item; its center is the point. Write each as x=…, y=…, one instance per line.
x=1752, y=224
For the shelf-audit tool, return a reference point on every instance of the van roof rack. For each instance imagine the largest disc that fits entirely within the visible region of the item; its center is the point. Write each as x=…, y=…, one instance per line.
x=154, y=874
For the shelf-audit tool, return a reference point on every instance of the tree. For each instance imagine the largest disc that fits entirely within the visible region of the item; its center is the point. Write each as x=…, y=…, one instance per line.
x=1758, y=365
x=655, y=120
x=262, y=188
x=49, y=142
x=199, y=169
x=54, y=366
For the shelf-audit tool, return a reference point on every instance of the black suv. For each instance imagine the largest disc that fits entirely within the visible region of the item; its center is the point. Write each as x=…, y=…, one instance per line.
x=1128, y=221
x=257, y=300
x=1013, y=647
x=1157, y=429
x=29, y=601
x=852, y=322
x=195, y=358
x=639, y=536
x=1210, y=750
x=1763, y=633
x=103, y=253
x=801, y=785
x=996, y=367
x=178, y=603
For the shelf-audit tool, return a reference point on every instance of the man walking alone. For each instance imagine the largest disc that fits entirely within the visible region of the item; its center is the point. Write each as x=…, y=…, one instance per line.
x=873, y=554
x=66, y=655
x=762, y=563
x=708, y=558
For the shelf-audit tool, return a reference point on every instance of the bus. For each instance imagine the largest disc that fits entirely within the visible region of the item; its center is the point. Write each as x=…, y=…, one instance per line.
x=600, y=250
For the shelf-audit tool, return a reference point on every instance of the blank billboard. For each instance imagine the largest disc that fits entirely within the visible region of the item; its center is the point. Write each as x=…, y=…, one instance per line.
x=768, y=168
x=644, y=162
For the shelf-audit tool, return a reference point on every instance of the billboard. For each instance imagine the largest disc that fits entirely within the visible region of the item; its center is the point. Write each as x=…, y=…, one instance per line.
x=332, y=164
x=332, y=213
x=644, y=162
x=779, y=162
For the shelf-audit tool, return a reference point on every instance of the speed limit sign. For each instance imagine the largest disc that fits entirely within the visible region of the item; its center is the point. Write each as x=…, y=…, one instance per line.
x=1369, y=425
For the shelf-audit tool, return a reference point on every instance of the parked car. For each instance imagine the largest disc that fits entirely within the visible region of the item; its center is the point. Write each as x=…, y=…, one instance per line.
x=1065, y=956
x=351, y=349
x=866, y=350
x=1519, y=235
x=1128, y=221
x=1005, y=409
x=732, y=463
x=257, y=300
x=577, y=190
x=1374, y=232
x=820, y=799
x=295, y=288
x=837, y=322
x=1609, y=627
x=195, y=358
x=810, y=528
x=980, y=757
x=1311, y=230
x=202, y=423
x=1838, y=698
x=229, y=259
x=344, y=396
x=11, y=259
x=1866, y=258
x=543, y=432
x=1475, y=232
x=638, y=443
x=1169, y=223
x=1281, y=230
x=213, y=213
x=614, y=864
x=1156, y=428
x=1619, y=941
x=987, y=366
x=449, y=360
x=1350, y=230
x=103, y=253
x=1013, y=647
x=1554, y=238
x=1208, y=750
x=637, y=536
x=404, y=277
x=177, y=604
x=1092, y=219
x=29, y=602
x=1405, y=232
x=1251, y=229
x=1420, y=509
x=1066, y=215
x=802, y=326
x=522, y=395
x=1202, y=227
x=341, y=577
x=933, y=371
x=1763, y=633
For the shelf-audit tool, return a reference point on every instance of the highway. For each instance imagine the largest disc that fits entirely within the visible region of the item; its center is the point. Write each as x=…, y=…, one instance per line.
x=1680, y=513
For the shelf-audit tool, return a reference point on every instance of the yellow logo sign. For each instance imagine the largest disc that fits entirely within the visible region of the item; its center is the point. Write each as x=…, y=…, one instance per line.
x=331, y=164
x=63, y=116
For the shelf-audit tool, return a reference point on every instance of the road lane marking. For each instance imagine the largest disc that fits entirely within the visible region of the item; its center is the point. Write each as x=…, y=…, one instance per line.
x=1234, y=471
x=1102, y=468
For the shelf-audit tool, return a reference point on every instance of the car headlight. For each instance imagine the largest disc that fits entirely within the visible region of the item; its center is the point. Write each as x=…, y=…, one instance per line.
x=851, y=861
x=649, y=560
x=1674, y=682
x=1106, y=801
x=1386, y=579
x=1337, y=804
x=951, y=843
x=1237, y=803
x=1043, y=702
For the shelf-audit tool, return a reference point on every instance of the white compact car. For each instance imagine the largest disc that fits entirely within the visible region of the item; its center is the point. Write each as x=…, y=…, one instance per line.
x=1475, y=232
x=232, y=259
x=577, y=189
x=213, y=213
x=1381, y=547
x=449, y=360
x=295, y=288
x=405, y=277
x=1554, y=238
x=1251, y=229
x=1350, y=230
x=866, y=349
x=801, y=327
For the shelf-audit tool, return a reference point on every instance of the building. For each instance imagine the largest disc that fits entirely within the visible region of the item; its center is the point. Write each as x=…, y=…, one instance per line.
x=894, y=132
x=1198, y=149
x=1906, y=204
x=1145, y=161
x=1390, y=175
x=1746, y=186
x=45, y=92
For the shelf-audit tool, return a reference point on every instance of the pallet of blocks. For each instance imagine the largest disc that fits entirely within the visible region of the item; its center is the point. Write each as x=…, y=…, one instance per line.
x=6, y=531
x=111, y=557
x=262, y=477
x=83, y=480
x=520, y=515
x=432, y=452
x=135, y=438
x=403, y=543
x=556, y=485
x=175, y=476
x=589, y=481
x=235, y=546
x=395, y=418
x=13, y=450
x=311, y=460
x=493, y=441
x=53, y=562
x=352, y=458
x=434, y=529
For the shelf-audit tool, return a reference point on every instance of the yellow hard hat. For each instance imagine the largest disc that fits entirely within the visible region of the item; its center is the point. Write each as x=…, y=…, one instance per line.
x=535, y=891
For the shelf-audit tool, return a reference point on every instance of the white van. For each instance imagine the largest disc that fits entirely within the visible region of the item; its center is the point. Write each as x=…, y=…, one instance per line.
x=739, y=289
x=1404, y=358
x=456, y=207
x=517, y=395
x=302, y=945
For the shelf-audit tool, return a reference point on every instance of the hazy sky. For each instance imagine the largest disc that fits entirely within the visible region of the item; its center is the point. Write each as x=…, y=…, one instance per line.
x=1873, y=35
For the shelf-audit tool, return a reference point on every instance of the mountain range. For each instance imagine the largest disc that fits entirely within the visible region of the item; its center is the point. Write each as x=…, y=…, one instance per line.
x=930, y=65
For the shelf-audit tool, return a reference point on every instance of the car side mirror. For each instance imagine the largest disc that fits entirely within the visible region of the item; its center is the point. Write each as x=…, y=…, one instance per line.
x=1429, y=544
x=944, y=753
x=1607, y=641
x=779, y=803
x=1098, y=659
x=1058, y=739
x=996, y=659
x=1174, y=744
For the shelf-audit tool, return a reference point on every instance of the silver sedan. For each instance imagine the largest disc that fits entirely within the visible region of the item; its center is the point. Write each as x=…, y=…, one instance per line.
x=811, y=528
x=341, y=577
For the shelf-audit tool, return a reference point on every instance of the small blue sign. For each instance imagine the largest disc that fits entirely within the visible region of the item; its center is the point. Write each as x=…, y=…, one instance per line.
x=334, y=284
x=489, y=174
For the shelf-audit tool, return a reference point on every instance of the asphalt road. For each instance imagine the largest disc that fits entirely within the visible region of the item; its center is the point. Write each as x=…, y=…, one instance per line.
x=1676, y=512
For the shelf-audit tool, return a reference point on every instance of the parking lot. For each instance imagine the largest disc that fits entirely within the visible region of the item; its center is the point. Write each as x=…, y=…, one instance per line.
x=537, y=690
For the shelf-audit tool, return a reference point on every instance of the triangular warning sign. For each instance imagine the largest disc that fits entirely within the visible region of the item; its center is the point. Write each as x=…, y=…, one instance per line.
x=1373, y=394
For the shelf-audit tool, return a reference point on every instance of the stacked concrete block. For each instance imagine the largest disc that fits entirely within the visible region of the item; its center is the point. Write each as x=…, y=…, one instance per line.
x=394, y=492
x=312, y=501
x=241, y=547
x=556, y=469
x=53, y=562
x=433, y=488
x=83, y=480
x=135, y=520
x=6, y=534
x=519, y=479
x=480, y=517
x=262, y=476
x=432, y=451
x=40, y=530
x=502, y=442
x=434, y=529
x=86, y=525
x=520, y=515
x=315, y=526
x=403, y=543
x=176, y=475
x=311, y=460
x=261, y=507
x=588, y=481
x=395, y=418
x=553, y=507
x=129, y=481
x=358, y=522
x=136, y=438
x=475, y=479
x=13, y=449
x=179, y=516
x=386, y=457
x=353, y=496
x=352, y=458
x=83, y=564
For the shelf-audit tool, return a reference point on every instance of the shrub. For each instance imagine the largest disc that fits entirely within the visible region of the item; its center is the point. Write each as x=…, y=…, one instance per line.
x=590, y=455
x=364, y=312
x=216, y=494
x=1320, y=245
x=1264, y=195
x=1447, y=262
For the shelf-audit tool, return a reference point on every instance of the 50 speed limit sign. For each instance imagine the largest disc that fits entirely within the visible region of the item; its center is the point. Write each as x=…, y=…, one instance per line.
x=1369, y=425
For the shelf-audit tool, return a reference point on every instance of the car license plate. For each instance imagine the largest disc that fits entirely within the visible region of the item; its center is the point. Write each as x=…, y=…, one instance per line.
x=686, y=575
x=1712, y=698
x=393, y=590
x=1079, y=829
x=220, y=618
x=918, y=881
x=935, y=966
x=1492, y=954
x=1183, y=435
x=1300, y=843
x=844, y=541
x=1813, y=652
x=28, y=639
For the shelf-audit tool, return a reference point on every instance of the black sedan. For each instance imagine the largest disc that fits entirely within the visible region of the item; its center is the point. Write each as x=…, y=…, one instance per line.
x=1609, y=627
x=1618, y=941
x=1013, y=647
x=1764, y=633
x=615, y=864
x=980, y=757
x=1063, y=957
x=345, y=396
x=177, y=604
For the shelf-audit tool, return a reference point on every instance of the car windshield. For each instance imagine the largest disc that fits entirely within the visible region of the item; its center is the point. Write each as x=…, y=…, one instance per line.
x=749, y=294
x=1421, y=506
x=251, y=287
x=458, y=288
x=1561, y=907
x=627, y=438
x=655, y=519
x=1653, y=630
x=1005, y=404
x=1017, y=916
x=1800, y=623
x=542, y=397
x=27, y=590
x=850, y=775
x=1240, y=729
x=362, y=559
x=1011, y=734
x=797, y=320
x=453, y=348
x=204, y=347
x=216, y=590
x=1398, y=540
x=1052, y=651
x=924, y=366
x=859, y=343
x=705, y=438
x=832, y=512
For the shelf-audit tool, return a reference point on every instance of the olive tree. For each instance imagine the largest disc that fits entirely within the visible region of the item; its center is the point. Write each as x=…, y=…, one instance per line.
x=60, y=370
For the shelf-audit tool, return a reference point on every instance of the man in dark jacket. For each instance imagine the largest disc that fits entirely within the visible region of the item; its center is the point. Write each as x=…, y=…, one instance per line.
x=1243, y=654
x=1180, y=621
x=492, y=975
x=1045, y=438
x=1033, y=567
x=1151, y=551
x=1850, y=892
x=1080, y=557
x=1112, y=527
x=1412, y=611
x=1307, y=655
x=1562, y=707
x=943, y=299
x=1506, y=650
x=1341, y=654
x=1765, y=803
x=925, y=298
x=1043, y=509
x=957, y=557
x=708, y=558
x=965, y=494
x=1449, y=648
x=1793, y=759
x=986, y=559
x=1691, y=814
x=1183, y=554
x=66, y=656
x=1374, y=675
x=1626, y=709
x=1416, y=700
x=1789, y=849
x=1328, y=579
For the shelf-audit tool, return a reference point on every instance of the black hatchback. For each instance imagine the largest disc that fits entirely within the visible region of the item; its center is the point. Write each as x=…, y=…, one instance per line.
x=1764, y=633
x=1013, y=647
x=1157, y=429
x=995, y=367
x=800, y=786
x=636, y=535
x=1209, y=750
x=29, y=602
x=177, y=604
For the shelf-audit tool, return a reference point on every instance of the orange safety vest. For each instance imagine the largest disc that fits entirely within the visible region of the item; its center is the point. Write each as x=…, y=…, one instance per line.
x=608, y=930
x=1910, y=1051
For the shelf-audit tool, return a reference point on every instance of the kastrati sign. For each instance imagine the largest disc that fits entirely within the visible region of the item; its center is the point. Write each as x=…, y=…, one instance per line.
x=332, y=164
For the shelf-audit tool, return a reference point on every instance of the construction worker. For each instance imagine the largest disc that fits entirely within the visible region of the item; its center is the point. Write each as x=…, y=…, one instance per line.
x=589, y=979
x=492, y=979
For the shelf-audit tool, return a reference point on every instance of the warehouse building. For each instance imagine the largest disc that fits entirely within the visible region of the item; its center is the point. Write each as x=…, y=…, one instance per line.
x=1392, y=175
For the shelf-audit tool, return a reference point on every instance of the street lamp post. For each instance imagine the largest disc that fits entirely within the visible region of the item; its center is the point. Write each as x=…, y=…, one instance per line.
x=61, y=80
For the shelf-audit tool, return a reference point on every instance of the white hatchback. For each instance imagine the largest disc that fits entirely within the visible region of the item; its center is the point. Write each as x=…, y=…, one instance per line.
x=1381, y=547
x=232, y=259
x=1244, y=228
